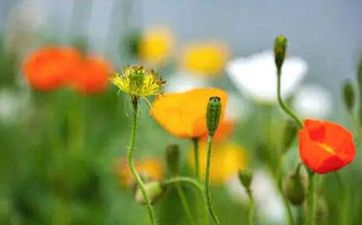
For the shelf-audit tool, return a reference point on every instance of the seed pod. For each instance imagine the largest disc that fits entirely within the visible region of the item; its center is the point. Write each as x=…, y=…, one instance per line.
x=173, y=158
x=280, y=49
x=245, y=178
x=290, y=132
x=154, y=190
x=348, y=96
x=213, y=114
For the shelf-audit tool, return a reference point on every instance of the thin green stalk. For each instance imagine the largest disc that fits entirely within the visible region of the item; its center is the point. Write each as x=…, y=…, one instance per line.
x=207, y=181
x=195, y=141
x=281, y=103
x=185, y=205
x=310, y=220
x=132, y=166
x=196, y=184
x=344, y=207
x=251, y=207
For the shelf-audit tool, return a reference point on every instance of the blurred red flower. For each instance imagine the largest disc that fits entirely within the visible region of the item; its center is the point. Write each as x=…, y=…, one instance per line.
x=47, y=68
x=324, y=146
x=91, y=75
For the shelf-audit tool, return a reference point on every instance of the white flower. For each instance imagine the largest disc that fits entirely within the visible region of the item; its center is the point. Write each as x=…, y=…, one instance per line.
x=182, y=81
x=313, y=101
x=268, y=201
x=256, y=77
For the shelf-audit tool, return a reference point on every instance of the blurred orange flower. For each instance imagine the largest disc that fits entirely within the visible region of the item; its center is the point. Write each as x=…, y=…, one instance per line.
x=91, y=75
x=156, y=45
x=48, y=68
x=151, y=169
x=183, y=114
x=52, y=67
x=324, y=146
x=227, y=159
x=205, y=59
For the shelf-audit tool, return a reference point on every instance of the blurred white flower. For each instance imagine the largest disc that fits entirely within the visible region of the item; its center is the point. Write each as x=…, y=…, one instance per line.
x=313, y=101
x=183, y=81
x=255, y=76
x=13, y=106
x=24, y=22
x=268, y=201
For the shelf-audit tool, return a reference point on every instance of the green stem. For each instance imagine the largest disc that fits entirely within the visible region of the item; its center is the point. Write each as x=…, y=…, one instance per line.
x=195, y=141
x=311, y=200
x=132, y=166
x=344, y=210
x=185, y=204
x=196, y=184
x=281, y=103
x=251, y=207
x=207, y=181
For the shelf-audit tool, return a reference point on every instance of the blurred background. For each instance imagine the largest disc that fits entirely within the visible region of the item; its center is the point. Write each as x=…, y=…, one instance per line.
x=62, y=149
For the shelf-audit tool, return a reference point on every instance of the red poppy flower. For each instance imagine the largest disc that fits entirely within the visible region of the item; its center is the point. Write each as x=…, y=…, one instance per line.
x=47, y=68
x=91, y=75
x=324, y=146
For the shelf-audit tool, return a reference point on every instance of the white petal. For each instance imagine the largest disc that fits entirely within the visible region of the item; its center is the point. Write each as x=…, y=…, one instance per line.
x=255, y=76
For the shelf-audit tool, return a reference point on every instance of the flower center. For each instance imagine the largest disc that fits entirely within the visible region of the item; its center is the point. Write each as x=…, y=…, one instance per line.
x=326, y=148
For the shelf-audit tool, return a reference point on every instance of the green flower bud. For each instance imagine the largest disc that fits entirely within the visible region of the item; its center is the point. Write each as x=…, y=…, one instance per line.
x=154, y=190
x=290, y=132
x=348, y=96
x=246, y=177
x=295, y=187
x=280, y=49
x=213, y=114
x=173, y=158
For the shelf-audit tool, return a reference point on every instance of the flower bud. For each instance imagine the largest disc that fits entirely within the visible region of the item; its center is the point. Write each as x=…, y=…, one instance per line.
x=246, y=177
x=280, y=49
x=173, y=158
x=295, y=187
x=154, y=190
x=290, y=131
x=348, y=96
x=213, y=114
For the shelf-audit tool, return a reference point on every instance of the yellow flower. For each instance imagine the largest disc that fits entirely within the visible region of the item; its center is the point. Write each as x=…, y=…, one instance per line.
x=151, y=169
x=156, y=45
x=205, y=59
x=227, y=159
x=184, y=114
x=138, y=81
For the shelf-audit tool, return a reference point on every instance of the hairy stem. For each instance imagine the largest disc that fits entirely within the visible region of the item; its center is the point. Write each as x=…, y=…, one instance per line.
x=281, y=103
x=132, y=166
x=207, y=182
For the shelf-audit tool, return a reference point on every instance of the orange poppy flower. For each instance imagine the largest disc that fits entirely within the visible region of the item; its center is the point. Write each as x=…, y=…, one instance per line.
x=48, y=68
x=184, y=114
x=324, y=146
x=149, y=168
x=91, y=75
